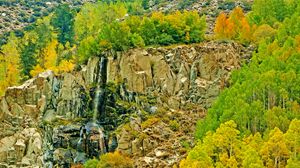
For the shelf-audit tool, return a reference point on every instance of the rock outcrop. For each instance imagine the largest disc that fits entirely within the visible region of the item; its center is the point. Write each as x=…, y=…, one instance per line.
x=160, y=141
x=178, y=75
x=57, y=120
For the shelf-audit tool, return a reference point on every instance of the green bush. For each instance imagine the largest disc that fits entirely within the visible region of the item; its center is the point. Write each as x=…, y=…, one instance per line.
x=174, y=125
x=92, y=163
x=110, y=160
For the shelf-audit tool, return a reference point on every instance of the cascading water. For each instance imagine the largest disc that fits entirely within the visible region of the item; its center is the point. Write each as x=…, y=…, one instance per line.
x=96, y=103
x=100, y=98
x=92, y=140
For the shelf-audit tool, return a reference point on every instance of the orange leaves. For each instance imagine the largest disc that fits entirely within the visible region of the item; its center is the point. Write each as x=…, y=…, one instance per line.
x=246, y=31
x=237, y=13
x=225, y=27
x=297, y=38
x=234, y=27
x=221, y=26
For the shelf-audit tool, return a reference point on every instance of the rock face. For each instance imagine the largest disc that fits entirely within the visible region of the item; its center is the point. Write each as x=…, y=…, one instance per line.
x=179, y=75
x=23, y=148
x=26, y=110
x=160, y=141
x=57, y=120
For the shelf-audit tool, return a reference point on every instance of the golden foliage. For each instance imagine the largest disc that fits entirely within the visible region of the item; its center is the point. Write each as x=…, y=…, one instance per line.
x=262, y=32
x=115, y=160
x=9, y=64
x=226, y=148
x=234, y=27
x=50, y=54
x=77, y=166
x=49, y=61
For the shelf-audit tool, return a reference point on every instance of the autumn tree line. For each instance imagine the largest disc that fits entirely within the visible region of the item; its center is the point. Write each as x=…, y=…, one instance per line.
x=255, y=122
x=225, y=147
x=68, y=38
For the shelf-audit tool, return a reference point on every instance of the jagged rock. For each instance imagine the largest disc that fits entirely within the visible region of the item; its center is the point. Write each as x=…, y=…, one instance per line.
x=91, y=71
x=161, y=153
x=4, y=112
x=42, y=104
x=182, y=72
x=50, y=115
x=124, y=142
x=26, y=161
x=173, y=103
x=137, y=147
x=66, y=92
x=25, y=147
x=135, y=124
x=20, y=147
x=5, y=147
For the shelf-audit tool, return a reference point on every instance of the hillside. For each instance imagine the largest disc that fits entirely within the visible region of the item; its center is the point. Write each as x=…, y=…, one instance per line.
x=16, y=14
x=164, y=83
x=55, y=109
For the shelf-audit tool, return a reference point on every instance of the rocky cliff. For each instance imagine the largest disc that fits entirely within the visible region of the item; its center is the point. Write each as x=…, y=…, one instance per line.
x=143, y=102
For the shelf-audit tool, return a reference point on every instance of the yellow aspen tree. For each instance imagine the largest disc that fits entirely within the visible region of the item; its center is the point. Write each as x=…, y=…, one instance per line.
x=50, y=55
x=227, y=143
x=65, y=66
x=48, y=60
x=9, y=63
x=274, y=151
x=36, y=70
x=236, y=16
x=292, y=137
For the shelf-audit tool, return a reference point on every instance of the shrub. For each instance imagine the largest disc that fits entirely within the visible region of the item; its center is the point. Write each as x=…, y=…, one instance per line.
x=148, y=123
x=174, y=125
x=115, y=160
x=91, y=163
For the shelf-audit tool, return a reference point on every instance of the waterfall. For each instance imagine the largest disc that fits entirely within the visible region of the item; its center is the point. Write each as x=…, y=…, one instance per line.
x=92, y=132
x=100, y=98
x=92, y=139
x=102, y=140
x=96, y=103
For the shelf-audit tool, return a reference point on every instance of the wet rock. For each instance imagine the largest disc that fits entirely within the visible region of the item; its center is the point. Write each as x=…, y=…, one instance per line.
x=80, y=158
x=91, y=70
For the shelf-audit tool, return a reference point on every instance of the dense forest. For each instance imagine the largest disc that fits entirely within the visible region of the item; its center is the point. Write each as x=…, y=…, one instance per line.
x=255, y=120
